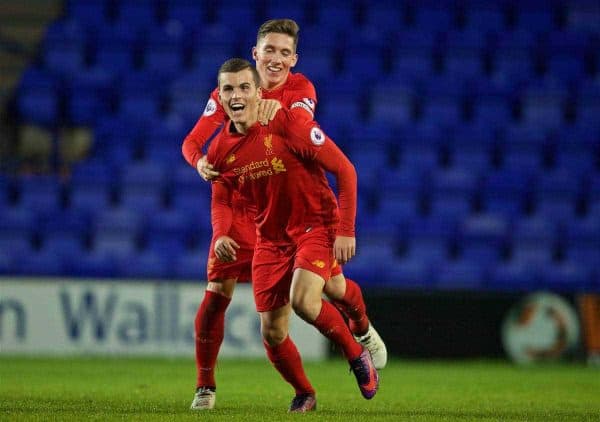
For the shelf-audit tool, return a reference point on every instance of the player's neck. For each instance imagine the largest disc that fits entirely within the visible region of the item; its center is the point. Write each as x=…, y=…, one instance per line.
x=243, y=127
x=267, y=87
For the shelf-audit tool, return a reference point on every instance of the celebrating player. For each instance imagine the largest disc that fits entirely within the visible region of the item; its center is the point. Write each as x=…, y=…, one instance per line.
x=280, y=170
x=275, y=55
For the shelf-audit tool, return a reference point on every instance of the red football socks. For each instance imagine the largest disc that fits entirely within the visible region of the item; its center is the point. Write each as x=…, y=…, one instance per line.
x=352, y=305
x=286, y=359
x=210, y=329
x=331, y=324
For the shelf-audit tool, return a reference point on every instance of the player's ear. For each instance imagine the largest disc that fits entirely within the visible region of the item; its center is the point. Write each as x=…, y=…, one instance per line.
x=254, y=53
x=294, y=60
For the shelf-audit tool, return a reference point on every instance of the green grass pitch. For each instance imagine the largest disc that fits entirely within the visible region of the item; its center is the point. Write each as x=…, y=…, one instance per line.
x=161, y=389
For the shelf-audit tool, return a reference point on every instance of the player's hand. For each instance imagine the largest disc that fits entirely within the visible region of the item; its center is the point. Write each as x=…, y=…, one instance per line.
x=267, y=110
x=344, y=248
x=226, y=249
x=205, y=169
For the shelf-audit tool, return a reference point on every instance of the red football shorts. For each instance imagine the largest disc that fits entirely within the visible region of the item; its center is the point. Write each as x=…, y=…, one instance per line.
x=244, y=233
x=274, y=265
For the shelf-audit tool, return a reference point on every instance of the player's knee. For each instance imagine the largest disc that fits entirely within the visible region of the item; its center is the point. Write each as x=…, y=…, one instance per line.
x=335, y=288
x=305, y=307
x=222, y=287
x=273, y=335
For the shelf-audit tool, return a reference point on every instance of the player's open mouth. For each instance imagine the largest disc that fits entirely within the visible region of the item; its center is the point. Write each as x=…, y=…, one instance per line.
x=273, y=69
x=237, y=107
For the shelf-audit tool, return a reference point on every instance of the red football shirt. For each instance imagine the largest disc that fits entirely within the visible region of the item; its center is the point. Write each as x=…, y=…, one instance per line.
x=280, y=169
x=296, y=93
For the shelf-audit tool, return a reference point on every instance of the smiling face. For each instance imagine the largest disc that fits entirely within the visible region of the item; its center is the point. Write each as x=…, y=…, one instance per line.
x=275, y=54
x=239, y=96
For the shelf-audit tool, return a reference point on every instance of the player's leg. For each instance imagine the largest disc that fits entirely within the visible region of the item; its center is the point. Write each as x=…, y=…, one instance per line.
x=209, y=324
x=209, y=327
x=307, y=303
x=284, y=356
x=346, y=295
x=271, y=274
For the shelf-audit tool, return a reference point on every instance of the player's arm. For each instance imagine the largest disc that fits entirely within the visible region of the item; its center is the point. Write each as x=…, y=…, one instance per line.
x=212, y=118
x=306, y=139
x=221, y=216
x=301, y=102
x=334, y=161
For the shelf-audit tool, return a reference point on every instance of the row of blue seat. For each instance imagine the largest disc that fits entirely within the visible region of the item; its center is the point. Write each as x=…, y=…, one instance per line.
x=373, y=266
x=338, y=14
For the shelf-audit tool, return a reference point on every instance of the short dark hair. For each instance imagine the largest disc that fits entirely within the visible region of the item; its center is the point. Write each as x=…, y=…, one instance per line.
x=279, y=26
x=236, y=65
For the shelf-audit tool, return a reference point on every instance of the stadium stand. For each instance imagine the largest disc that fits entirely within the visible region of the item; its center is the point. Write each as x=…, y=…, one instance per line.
x=473, y=126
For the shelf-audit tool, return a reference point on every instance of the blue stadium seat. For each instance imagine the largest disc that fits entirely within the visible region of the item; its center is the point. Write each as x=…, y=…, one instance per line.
x=505, y=191
x=90, y=13
x=164, y=50
x=336, y=15
x=491, y=111
x=391, y=104
x=38, y=98
x=434, y=19
x=228, y=11
x=533, y=241
x=65, y=245
x=516, y=65
x=191, y=265
x=364, y=62
x=463, y=64
x=66, y=222
x=346, y=104
x=64, y=59
x=117, y=58
x=576, y=155
x=92, y=264
x=588, y=110
x=298, y=11
x=460, y=275
x=139, y=14
x=512, y=276
x=523, y=147
x=413, y=65
x=411, y=273
x=89, y=96
x=556, y=194
x=543, y=107
x=388, y=15
x=518, y=40
x=41, y=194
x=535, y=18
x=581, y=235
x=17, y=227
x=470, y=147
x=471, y=40
x=447, y=184
x=147, y=265
x=445, y=110
x=142, y=186
x=567, y=277
x=485, y=231
x=371, y=262
x=583, y=16
x=488, y=17
x=170, y=231
x=188, y=13
x=413, y=40
x=90, y=199
x=40, y=263
x=316, y=64
x=429, y=239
